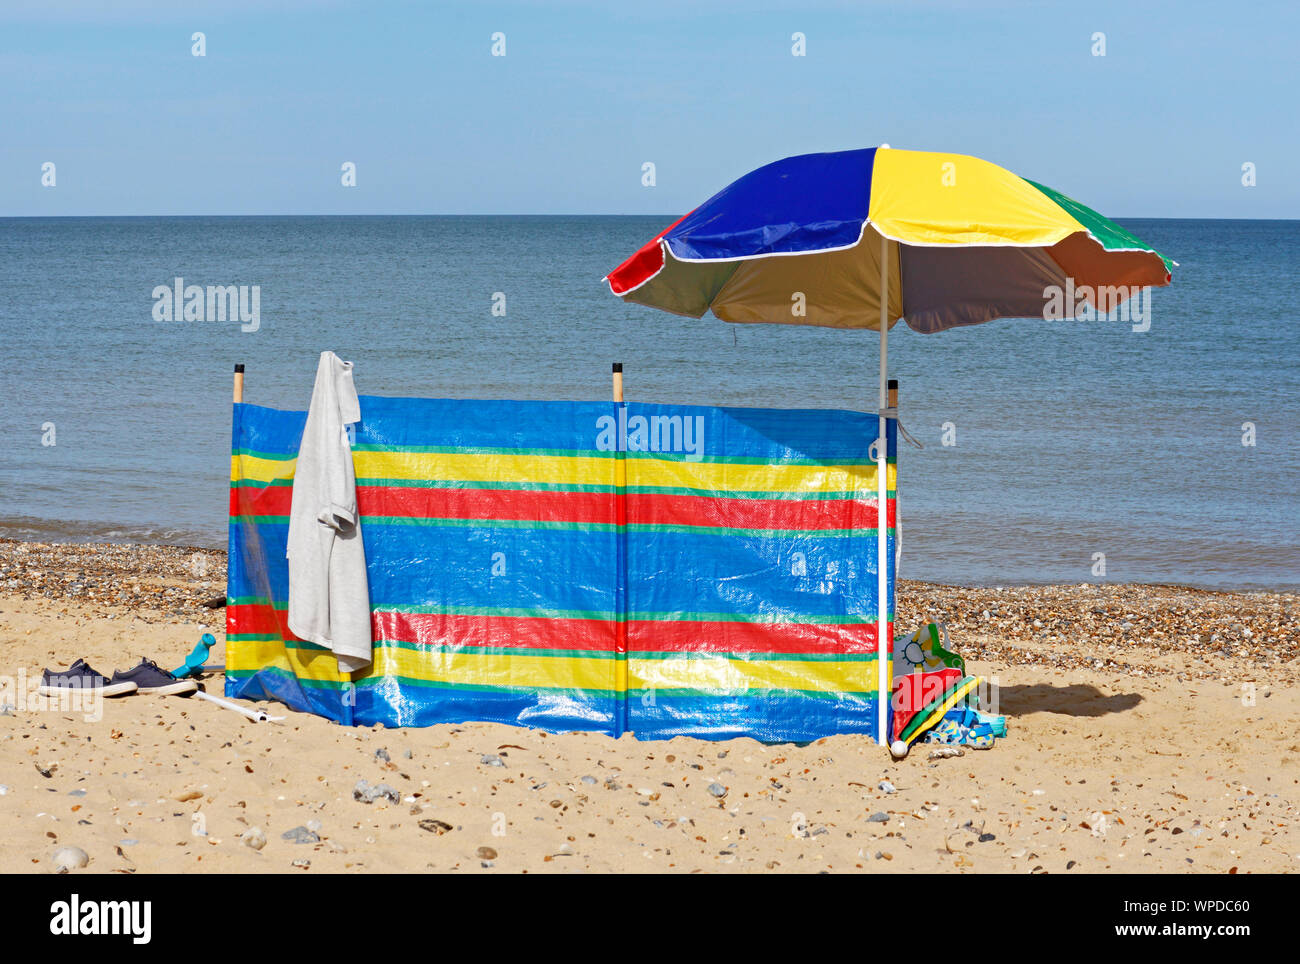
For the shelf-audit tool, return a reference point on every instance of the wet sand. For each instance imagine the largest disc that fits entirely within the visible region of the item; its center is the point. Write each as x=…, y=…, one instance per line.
x=1152, y=729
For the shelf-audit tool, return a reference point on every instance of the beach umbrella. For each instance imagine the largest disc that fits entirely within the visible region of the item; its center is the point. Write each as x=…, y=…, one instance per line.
x=863, y=238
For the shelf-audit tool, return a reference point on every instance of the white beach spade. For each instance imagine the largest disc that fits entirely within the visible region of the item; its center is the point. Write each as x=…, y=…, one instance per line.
x=257, y=716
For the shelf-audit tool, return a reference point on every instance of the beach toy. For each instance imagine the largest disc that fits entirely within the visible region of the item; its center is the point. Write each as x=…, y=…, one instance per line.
x=925, y=651
x=979, y=737
x=997, y=724
x=194, y=662
x=898, y=749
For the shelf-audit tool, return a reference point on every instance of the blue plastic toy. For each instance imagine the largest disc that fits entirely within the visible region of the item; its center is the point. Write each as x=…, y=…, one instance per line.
x=194, y=662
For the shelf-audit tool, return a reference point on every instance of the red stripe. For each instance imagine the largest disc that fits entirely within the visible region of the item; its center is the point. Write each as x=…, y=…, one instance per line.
x=642, y=266
x=260, y=618
x=422, y=503
x=271, y=500
x=691, y=510
x=584, y=507
x=592, y=635
x=678, y=636
x=525, y=632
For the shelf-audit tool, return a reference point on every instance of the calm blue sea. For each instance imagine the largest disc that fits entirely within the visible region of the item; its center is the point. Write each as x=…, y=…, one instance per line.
x=1072, y=438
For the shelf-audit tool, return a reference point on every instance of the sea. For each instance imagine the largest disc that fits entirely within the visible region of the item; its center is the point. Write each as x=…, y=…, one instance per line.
x=1050, y=451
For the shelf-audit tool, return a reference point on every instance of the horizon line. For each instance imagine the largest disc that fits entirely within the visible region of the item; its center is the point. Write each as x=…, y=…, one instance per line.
x=571, y=214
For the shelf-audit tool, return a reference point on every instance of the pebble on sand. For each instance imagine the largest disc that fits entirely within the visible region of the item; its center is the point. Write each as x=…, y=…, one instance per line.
x=365, y=793
x=69, y=858
x=300, y=835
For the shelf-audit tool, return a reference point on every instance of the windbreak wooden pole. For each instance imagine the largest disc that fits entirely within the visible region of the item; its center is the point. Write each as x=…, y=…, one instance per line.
x=620, y=520
x=239, y=384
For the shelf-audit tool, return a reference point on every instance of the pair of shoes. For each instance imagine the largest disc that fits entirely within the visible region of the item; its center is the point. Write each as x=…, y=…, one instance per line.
x=148, y=677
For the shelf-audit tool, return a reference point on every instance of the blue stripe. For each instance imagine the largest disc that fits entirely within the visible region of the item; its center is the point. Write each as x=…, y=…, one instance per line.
x=793, y=576
x=581, y=427
x=543, y=569
x=381, y=701
x=268, y=430
x=807, y=203
x=763, y=715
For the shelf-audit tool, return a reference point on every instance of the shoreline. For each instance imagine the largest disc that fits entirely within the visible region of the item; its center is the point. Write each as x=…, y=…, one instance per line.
x=36, y=536
x=1174, y=628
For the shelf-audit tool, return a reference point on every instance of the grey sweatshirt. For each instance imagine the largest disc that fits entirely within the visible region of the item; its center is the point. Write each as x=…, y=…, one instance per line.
x=329, y=597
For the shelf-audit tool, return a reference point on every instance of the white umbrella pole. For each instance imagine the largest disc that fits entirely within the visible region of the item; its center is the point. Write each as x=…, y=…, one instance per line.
x=882, y=512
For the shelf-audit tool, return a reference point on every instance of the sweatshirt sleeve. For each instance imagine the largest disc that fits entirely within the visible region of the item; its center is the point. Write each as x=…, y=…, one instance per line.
x=338, y=508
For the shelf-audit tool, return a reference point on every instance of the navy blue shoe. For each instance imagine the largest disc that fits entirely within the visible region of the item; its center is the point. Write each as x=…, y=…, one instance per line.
x=149, y=677
x=80, y=678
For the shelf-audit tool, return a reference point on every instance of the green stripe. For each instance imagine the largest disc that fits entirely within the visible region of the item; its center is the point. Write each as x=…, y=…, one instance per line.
x=611, y=489
x=738, y=657
x=597, y=654
x=273, y=456
x=552, y=526
x=598, y=615
x=830, y=696
x=612, y=455
x=580, y=694
x=670, y=617
x=476, y=484
x=577, y=693
x=668, y=655
x=1108, y=234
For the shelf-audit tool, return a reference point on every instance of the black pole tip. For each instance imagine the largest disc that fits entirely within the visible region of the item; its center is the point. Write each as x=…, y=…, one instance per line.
x=239, y=369
x=618, y=366
x=893, y=384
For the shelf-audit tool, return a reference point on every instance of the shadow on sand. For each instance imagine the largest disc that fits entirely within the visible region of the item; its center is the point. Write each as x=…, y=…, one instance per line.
x=1076, y=699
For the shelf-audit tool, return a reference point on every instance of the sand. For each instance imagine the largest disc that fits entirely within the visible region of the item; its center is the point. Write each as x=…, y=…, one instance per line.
x=1169, y=746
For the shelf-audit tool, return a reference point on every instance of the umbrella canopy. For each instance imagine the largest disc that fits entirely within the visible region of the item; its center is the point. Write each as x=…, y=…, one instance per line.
x=816, y=240
x=800, y=241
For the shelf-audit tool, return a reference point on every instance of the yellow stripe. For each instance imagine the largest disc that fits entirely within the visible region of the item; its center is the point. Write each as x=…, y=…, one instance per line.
x=705, y=673
x=735, y=477
x=259, y=469
x=247, y=655
x=567, y=672
x=584, y=470
x=473, y=669
x=920, y=197
x=457, y=467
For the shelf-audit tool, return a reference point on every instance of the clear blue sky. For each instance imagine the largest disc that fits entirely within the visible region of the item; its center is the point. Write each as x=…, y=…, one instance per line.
x=587, y=92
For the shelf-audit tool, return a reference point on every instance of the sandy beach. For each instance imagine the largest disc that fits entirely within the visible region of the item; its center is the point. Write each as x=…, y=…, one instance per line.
x=1151, y=729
